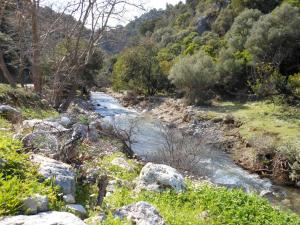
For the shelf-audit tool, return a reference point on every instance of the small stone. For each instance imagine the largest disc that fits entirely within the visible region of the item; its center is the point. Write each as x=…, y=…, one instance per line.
x=122, y=163
x=204, y=215
x=77, y=209
x=70, y=199
x=65, y=121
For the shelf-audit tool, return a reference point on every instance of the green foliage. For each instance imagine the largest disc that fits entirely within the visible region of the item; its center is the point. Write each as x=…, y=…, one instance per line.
x=275, y=36
x=19, y=179
x=138, y=69
x=293, y=2
x=147, y=26
x=38, y=113
x=224, y=21
x=195, y=75
x=241, y=28
x=291, y=151
x=183, y=19
x=265, y=6
x=268, y=81
x=223, y=206
x=294, y=83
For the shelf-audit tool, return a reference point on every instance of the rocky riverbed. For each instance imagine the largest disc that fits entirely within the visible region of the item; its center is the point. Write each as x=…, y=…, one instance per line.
x=79, y=153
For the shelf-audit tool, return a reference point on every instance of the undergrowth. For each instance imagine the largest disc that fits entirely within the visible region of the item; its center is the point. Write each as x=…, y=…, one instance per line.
x=19, y=179
x=223, y=206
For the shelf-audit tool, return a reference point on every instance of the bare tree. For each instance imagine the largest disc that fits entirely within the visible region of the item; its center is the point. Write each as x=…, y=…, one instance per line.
x=81, y=41
x=36, y=71
x=3, y=67
x=125, y=133
x=180, y=150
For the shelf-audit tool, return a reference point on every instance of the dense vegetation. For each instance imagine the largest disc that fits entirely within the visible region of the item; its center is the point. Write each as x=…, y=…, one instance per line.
x=221, y=48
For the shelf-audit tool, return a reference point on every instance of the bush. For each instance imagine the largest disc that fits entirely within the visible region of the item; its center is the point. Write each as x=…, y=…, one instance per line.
x=268, y=81
x=138, y=69
x=275, y=37
x=19, y=179
x=294, y=83
x=196, y=75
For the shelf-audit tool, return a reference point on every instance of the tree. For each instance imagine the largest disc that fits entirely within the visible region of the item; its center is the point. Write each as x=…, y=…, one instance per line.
x=275, y=38
x=196, y=75
x=92, y=21
x=36, y=71
x=234, y=60
x=241, y=28
x=138, y=69
x=264, y=6
x=7, y=45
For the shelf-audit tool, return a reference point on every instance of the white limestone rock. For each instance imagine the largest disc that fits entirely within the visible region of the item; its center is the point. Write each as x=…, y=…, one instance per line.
x=158, y=177
x=140, y=213
x=46, y=218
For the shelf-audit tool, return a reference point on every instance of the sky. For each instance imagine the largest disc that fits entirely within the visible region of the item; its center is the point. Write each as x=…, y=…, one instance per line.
x=130, y=14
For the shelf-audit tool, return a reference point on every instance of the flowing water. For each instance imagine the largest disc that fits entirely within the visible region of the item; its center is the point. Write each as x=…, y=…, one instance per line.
x=214, y=164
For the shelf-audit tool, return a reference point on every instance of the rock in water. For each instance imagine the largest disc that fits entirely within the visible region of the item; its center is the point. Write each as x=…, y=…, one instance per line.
x=48, y=218
x=10, y=113
x=62, y=173
x=158, y=177
x=140, y=213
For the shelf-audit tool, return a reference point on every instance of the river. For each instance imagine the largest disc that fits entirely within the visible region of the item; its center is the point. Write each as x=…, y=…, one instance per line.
x=214, y=165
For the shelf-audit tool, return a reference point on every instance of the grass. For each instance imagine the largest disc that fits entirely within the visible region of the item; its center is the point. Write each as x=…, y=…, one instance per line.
x=38, y=113
x=222, y=205
x=29, y=103
x=19, y=179
x=261, y=117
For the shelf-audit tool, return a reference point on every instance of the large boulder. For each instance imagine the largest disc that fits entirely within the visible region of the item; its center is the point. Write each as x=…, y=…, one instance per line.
x=158, y=177
x=203, y=24
x=10, y=113
x=44, y=142
x=47, y=218
x=62, y=173
x=140, y=213
x=35, y=204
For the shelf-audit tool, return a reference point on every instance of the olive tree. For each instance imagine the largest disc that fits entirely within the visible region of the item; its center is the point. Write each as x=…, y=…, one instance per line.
x=138, y=69
x=275, y=37
x=233, y=61
x=196, y=75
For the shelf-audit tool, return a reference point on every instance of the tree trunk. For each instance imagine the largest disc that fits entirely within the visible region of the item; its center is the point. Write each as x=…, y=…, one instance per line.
x=102, y=185
x=36, y=72
x=5, y=71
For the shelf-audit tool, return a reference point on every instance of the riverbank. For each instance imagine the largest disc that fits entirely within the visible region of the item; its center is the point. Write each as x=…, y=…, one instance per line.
x=70, y=169
x=261, y=136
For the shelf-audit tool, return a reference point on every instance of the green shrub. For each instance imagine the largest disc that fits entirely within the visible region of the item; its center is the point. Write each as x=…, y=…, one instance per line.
x=195, y=75
x=223, y=206
x=19, y=179
x=294, y=83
